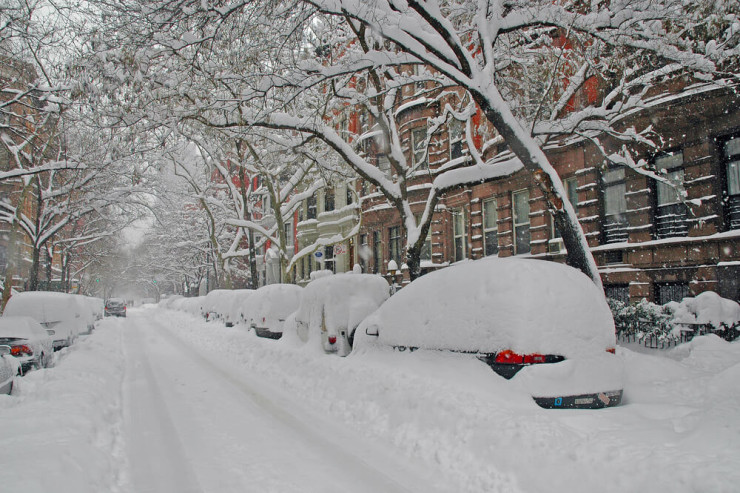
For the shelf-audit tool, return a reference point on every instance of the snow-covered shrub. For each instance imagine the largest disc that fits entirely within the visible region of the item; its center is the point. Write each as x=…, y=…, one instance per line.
x=642, y=320
x=707, y=312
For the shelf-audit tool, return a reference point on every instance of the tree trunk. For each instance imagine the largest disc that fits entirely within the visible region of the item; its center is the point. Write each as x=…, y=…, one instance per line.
x=522, y=145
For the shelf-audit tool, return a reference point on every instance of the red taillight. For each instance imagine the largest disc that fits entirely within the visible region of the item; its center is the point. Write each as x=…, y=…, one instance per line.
x=20, y=350
x=332, y=339
x=509, y=357
x=612, y=350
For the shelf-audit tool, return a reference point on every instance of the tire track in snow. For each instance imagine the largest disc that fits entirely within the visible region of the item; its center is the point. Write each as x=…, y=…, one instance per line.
x=156, y=456
x=339, y=459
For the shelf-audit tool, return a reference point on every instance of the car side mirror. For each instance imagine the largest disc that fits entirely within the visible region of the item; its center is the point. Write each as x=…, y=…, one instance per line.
x=4, y=350
x=372, y=331
x=51, y=332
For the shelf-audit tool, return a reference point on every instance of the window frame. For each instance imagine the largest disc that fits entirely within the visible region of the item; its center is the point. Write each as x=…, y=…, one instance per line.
x=394, y=244
x=419, y=158
x=520, y=225
x=487, y=229
x=458, y=140
x=459, y=252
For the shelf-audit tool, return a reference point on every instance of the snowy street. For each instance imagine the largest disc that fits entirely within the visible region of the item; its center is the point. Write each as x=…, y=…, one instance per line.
x=194, y=424
x=164, y=402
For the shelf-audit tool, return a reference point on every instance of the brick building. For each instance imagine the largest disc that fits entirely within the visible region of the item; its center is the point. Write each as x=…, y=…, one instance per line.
x=648, y=243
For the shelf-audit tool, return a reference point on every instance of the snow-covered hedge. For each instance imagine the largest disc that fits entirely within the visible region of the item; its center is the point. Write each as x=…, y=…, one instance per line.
x=706, y=313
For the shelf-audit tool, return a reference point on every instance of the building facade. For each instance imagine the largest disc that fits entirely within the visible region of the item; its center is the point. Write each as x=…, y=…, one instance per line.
x=648, y=240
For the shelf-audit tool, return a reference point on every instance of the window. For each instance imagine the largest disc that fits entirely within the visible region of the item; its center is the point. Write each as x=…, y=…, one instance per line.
x=618, y=292
x=455, y=129
x=615, y=206
x=328, y=199
x=394, y=244
x=458, y=234
x=329, y=263
x=288, y=234
x=490, y=227
x=671, y=167
x=419, y=74
x=377, y=251
x=350, y=194
x=426, y=249
x=571, y=193
x=671, y=291
x=520, y=201
x=731, y=156
x=363, y=252
x=419, y=147
x=671, y=213
x=311, y=207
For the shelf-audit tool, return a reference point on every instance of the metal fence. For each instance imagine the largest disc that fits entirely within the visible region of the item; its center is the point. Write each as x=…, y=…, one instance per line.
x=686, y=333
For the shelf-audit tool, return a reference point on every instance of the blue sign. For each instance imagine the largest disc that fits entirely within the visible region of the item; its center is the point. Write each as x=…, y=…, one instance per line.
x=318, y=254
x=559, y=401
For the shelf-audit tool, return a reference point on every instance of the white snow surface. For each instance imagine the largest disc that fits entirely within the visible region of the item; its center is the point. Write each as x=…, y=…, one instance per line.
x=445, y=419
x=706, y=308
x=492, y=304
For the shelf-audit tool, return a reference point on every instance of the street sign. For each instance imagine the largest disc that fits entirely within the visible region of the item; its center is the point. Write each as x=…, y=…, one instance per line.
x=318, y=254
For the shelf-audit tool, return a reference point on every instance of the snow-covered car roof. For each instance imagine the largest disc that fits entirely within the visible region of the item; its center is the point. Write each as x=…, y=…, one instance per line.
x=273, y=302
x=344, y=299
x=44, y=306
x=13, y=326
x=487, y=305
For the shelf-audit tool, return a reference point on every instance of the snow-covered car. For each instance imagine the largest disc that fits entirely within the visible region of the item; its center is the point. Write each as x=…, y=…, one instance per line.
x=232, y=306
x=331, y=308
x=115, y=307
x=89, y=310
x=214, y=303
x=543, y=325
x=29, y=342
x=269, y=306
x=57, y=311
x=8, y=370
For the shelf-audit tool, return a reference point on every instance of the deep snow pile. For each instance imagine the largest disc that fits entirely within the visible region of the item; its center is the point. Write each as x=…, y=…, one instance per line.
x=61, y=427
x=677, y=430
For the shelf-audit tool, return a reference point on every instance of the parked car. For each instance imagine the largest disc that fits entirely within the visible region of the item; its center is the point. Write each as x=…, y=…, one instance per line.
x=8, y=370
x=115, y=307
x=29, y=342
x=544, y=325
x=230, y=308
x=57, y=311
x=331, y=307
x=89, y=309
x=269, y=306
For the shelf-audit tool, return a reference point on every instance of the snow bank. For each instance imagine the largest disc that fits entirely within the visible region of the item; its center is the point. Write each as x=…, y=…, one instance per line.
x=61, y=428
x=529, y=306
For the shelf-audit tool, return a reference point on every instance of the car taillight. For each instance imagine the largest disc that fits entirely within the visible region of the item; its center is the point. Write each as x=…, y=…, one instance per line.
x=509, y=357
x=332, y=339
x=20, y=350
